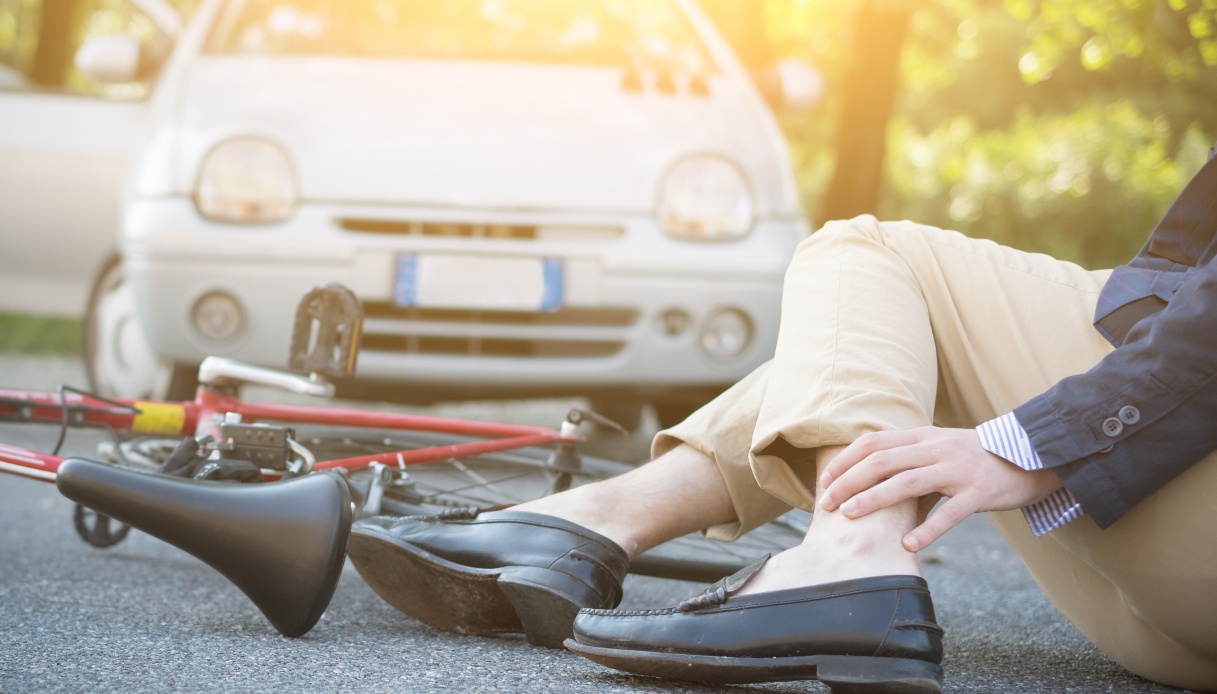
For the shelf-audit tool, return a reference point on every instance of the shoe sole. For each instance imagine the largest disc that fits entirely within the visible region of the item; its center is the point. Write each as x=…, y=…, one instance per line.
x=467, y=600
x=842, y=674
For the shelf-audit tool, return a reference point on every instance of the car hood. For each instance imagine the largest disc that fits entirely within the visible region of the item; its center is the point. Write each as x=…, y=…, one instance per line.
x=470, y=134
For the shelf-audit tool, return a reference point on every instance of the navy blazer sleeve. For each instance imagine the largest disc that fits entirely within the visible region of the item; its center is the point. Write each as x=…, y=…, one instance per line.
x=1166, y=370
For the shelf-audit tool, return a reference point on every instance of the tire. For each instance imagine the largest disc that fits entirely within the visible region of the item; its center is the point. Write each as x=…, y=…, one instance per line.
x=118, y=359
x=515, y=476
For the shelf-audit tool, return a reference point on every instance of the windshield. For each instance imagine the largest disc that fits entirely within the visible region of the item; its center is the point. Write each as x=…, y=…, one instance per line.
x=599, y=32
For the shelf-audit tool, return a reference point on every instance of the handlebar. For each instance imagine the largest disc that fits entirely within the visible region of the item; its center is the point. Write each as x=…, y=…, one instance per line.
x=223, y=372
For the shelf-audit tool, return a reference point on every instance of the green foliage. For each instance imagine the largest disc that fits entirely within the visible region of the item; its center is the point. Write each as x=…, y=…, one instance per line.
x=1061, y=126
x=17, y=45
x=1086, y=185
x=1176, y=37
x=26, y=334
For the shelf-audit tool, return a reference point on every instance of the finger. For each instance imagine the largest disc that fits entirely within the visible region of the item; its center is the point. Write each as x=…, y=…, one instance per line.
x=947, y=516
x=910, y=484
x=872, y=471
x=862, y=447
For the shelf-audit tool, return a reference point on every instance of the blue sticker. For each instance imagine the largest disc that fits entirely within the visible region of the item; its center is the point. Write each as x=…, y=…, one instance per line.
x=551, y=273
x=405, y=288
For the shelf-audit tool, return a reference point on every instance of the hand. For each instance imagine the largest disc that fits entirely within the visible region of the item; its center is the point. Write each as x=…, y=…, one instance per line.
x=884, y=468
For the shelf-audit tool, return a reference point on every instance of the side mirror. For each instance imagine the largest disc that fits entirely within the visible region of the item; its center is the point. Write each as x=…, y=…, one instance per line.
x=802, y=85
x=790, y=84
x=10, y=79
x=112, y=58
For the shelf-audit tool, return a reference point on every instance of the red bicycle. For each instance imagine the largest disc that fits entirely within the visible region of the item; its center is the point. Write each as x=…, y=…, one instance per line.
x=169, y=470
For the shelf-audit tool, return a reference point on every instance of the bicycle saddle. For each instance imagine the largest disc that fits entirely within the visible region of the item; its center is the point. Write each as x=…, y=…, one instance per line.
x=282, y=543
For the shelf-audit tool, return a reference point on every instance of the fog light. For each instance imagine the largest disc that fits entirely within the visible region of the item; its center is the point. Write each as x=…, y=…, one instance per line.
x=726, y=334
x=217, y=316
x=674, y=321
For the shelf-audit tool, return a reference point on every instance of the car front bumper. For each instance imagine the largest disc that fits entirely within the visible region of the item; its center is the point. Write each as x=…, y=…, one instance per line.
x=634, y=309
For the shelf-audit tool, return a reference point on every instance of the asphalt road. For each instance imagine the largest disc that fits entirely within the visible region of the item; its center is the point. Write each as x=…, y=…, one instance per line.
x=144, y=616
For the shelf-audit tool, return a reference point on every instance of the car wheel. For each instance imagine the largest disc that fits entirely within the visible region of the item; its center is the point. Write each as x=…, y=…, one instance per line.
x=118, y=360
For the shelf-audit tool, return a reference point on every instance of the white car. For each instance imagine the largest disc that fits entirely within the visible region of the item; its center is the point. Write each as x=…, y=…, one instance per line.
x=528, y=197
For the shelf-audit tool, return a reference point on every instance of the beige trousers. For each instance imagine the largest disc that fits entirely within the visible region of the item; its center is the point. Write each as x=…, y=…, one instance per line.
x=896, y=325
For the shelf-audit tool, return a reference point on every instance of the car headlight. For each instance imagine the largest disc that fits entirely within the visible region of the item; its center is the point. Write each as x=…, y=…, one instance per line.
x=705, y=198
x=246, y=180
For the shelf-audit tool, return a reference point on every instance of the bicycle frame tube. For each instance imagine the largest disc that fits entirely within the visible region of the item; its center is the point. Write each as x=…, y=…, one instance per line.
x=203, y=415
x=501, y=437
x=26, y=463
x=76, y=410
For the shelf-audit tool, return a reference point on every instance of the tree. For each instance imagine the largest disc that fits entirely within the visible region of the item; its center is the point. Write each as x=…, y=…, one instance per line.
x=55, y=47
x=868, y=87
x=1064, y=126
x=869, y=95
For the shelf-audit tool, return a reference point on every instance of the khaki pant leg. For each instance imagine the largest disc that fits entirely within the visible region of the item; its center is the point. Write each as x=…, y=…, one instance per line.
x=846, y=286
x=1145, y=589
x=923, y=325
x=895, y=326
x=722, y=430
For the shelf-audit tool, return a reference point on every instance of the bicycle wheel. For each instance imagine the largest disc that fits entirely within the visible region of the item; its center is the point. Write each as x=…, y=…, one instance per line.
x=143, y=453
x=515, y=476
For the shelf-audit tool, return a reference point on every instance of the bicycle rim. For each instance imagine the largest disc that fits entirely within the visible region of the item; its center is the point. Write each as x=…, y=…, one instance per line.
x=512, y=477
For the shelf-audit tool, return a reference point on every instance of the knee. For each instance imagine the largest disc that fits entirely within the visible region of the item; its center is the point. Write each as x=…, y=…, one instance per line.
x=860, y=242
x=866, y=230
x=820, y=251
x=844, y=231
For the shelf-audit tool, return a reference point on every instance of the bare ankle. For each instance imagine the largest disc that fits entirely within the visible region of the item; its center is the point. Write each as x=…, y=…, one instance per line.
x=678, y=493
x=592, y=507
x=838, y=549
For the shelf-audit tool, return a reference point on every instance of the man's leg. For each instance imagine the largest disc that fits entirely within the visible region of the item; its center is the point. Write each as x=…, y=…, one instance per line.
x=856, y=352
x=700, y=479
x=870, y=312
x=530, y=568
x=679, y=493
x=976, y=331
x=682, y=492
x=881, y=325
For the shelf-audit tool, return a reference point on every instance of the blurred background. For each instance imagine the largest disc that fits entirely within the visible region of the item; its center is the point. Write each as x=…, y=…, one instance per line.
x=1062, y=126
x=1065, y=127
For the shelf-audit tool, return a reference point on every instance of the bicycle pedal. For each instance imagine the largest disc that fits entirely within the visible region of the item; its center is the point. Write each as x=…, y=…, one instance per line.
x=325, y=336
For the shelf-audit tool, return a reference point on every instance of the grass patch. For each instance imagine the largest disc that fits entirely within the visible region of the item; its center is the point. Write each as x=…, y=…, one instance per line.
x=22, y=333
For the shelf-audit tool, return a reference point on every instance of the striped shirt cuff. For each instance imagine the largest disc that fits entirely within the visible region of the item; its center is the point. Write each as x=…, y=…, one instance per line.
x=1006, y=438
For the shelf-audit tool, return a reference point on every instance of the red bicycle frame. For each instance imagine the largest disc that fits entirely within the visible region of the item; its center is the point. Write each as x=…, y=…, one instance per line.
x=204, y=414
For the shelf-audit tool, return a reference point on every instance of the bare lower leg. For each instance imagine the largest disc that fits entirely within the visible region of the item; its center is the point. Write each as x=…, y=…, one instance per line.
x=837, y=548
x=676, y=494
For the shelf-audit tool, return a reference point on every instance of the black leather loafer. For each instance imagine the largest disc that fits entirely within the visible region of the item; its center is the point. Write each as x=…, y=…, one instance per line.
x=864, y=635
x=486, y=573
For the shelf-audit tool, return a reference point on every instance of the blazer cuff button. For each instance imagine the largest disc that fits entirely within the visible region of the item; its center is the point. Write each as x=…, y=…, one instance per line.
x=1130, y=415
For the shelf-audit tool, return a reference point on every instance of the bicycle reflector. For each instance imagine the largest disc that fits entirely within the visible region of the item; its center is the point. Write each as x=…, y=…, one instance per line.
x=325, y=337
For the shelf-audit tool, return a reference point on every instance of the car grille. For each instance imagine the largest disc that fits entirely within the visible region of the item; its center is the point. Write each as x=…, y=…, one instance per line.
x=569, y=333
x=479, y=230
